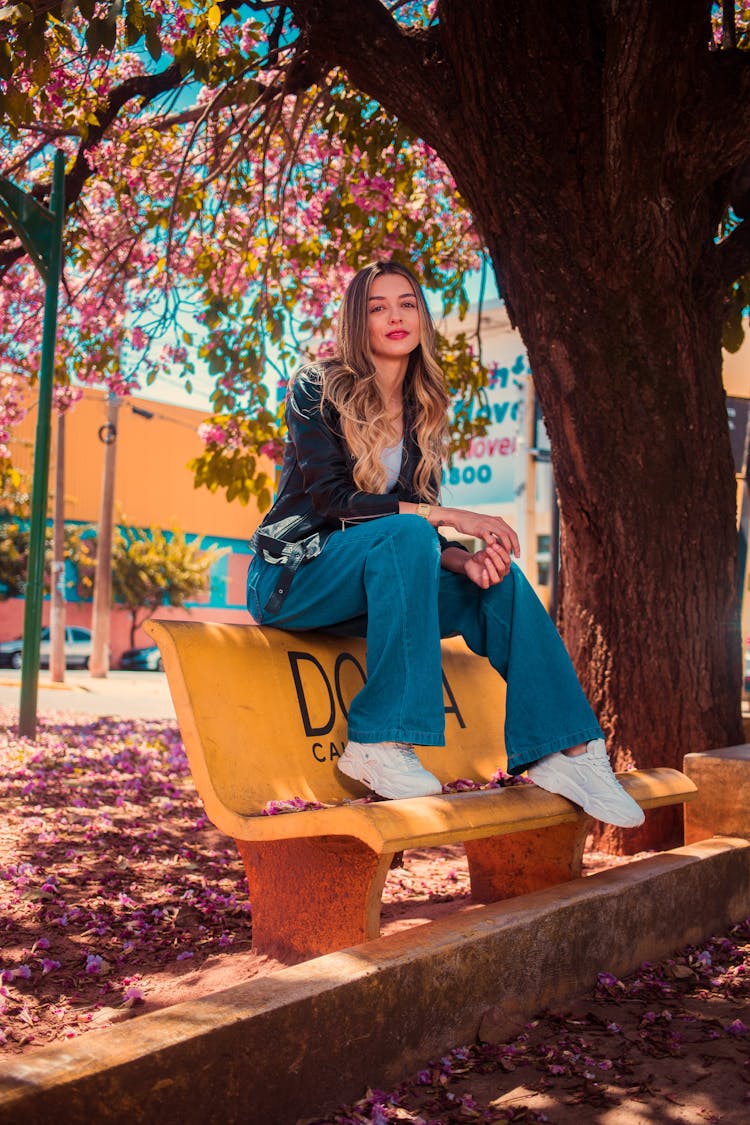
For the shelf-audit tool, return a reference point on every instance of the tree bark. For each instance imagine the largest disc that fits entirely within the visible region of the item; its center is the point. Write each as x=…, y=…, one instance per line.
x=608, y=262
x=566, y=135
x=627, y=364
x=633, y=400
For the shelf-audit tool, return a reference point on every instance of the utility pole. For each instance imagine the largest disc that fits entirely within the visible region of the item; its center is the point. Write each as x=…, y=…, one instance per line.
x=57, y=585
x=99, y=662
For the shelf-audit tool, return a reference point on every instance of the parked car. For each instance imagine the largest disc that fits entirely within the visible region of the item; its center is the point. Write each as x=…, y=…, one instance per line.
x=77, y=648
x=142, y=660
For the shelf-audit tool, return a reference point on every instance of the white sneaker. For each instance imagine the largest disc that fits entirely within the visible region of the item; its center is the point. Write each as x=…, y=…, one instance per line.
x=390, y=769
x=588, y=780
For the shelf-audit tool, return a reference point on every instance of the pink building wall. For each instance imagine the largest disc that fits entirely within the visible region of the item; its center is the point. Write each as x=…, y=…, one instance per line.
x=79, y=613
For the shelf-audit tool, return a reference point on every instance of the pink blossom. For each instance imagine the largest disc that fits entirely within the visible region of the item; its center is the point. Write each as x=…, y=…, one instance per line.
x=133, y=995
x=291, y=804
x=607, y=979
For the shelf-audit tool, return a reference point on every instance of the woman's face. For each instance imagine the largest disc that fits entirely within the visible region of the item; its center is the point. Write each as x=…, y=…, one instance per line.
x=392, y=317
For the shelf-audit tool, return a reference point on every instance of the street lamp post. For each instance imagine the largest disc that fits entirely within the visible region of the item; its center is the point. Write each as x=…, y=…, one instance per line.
x=40, y=231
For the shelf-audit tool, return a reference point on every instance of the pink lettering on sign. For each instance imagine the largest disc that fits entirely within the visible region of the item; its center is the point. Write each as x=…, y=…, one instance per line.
x=491, y=447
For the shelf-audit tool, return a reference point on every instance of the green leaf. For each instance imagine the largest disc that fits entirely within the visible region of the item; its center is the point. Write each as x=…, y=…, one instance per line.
x=95, y=36
x=153, y=41
x=109, y=35
x=40, y=72
x=733, y=334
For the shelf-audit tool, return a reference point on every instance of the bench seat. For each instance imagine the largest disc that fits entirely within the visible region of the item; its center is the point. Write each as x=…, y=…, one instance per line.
x=448, y=818
x=263, y=717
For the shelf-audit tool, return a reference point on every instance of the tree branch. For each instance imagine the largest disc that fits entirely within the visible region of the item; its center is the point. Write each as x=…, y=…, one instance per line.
x=379, y=56
x=144, y=86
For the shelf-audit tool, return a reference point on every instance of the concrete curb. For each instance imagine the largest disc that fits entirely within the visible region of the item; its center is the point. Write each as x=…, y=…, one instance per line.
x=314, y=1035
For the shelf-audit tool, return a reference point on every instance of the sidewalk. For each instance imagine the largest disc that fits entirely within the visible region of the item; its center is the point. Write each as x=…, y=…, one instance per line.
x=133, y=695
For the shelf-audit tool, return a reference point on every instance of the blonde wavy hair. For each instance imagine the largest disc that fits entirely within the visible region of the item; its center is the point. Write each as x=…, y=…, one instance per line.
x=350, y=385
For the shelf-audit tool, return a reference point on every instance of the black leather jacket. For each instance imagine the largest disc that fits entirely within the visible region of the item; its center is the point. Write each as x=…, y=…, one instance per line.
x=317, y=494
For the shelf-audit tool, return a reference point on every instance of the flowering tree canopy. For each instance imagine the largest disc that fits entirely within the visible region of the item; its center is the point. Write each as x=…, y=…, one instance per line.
x=230, y=164
x=218, y=201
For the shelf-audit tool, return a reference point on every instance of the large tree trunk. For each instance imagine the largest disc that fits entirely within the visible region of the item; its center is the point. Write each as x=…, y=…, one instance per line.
x=630, y=385
x=607, y=271
x=582, y=139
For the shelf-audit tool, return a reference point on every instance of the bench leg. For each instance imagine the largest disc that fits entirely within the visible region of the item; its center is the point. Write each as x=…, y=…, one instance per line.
x=520, y=862
x=313, y=896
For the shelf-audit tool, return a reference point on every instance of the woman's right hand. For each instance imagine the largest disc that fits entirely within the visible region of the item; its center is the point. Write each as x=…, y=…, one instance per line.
x=493, y=530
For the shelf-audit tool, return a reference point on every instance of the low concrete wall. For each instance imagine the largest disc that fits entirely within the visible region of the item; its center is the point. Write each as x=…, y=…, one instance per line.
x=314, y=1035
x=722, y=806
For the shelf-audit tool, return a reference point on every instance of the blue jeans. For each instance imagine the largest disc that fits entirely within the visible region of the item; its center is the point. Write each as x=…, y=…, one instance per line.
x=382, y=579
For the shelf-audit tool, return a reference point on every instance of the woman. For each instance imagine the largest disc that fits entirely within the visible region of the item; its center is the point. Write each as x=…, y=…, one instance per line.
x=351, y=546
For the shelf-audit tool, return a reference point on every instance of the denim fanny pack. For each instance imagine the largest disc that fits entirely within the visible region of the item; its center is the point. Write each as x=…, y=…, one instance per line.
x=277, y=550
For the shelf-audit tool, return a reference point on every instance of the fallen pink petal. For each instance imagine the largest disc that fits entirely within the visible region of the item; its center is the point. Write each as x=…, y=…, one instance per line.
x=133, y=995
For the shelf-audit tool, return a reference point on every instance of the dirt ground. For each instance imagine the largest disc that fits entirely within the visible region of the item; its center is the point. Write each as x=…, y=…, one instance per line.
x=663, y=1046
x=117, y=897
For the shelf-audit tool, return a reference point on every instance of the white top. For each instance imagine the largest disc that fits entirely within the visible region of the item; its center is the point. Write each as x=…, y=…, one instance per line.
x=391, y=459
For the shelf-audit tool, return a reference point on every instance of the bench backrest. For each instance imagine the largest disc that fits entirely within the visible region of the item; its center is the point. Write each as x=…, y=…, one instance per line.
x=263, y=712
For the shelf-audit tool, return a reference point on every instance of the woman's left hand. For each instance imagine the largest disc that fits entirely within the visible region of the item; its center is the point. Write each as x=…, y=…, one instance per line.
x=489, y=566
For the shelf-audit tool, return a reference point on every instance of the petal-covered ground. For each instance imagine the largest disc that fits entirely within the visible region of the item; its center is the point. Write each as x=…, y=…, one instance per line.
x=109, y=873
x=117, y=897
x=666, y=1046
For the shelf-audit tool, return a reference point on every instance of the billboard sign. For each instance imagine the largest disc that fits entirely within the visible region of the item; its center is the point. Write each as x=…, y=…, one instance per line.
x=486, y=473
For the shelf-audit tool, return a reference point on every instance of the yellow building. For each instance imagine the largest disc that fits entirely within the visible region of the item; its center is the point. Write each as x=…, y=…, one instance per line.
x=153, y=488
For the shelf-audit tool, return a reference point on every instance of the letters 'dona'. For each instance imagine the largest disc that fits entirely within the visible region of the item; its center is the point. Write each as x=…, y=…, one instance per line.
x=324, y=694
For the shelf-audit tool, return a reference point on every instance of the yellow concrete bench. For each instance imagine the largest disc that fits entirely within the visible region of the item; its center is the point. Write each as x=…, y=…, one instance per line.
x=263, y=717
